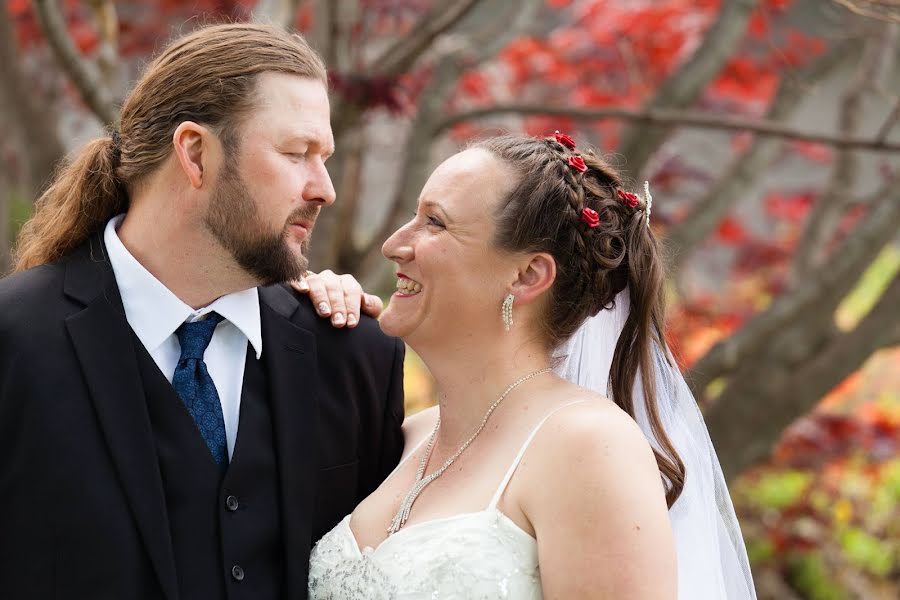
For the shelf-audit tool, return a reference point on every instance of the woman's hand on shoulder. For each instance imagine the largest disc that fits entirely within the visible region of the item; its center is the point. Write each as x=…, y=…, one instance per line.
x=600, y=513
x=338, y=296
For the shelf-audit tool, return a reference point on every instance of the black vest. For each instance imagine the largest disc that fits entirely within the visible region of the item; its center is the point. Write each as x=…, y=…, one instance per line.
x=225, y=532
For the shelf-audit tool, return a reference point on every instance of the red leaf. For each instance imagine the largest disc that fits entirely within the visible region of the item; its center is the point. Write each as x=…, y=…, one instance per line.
x=730, y=231
x=790, y=207
x=475, y=85
x=18, y=8
x=812, y=151
x=304, y=17
x=758, y=28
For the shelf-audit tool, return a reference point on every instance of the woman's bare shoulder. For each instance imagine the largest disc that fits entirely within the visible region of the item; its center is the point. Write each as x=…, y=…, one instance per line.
x=590, y=440
x=592, y=425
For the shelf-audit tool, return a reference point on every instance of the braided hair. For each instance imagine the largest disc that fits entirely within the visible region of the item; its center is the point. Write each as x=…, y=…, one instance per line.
x=544, y=211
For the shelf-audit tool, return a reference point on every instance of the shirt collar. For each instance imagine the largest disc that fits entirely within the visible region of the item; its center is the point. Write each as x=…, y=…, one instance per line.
x=154, y=312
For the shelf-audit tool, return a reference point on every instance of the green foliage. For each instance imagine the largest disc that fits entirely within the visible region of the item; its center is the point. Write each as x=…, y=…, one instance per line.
x=780, y=489
x=867, y=552
x=871, y=286
x=19, y=211
x=891, y=480
x=808, y=574
x=760, y=551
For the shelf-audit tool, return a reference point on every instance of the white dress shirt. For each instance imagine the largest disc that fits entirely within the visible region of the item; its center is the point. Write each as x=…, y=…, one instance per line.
x=154, y=313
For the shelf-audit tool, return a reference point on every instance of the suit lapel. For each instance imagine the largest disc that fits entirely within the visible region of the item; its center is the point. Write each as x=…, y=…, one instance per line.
x=289, y=353
x=105, y=348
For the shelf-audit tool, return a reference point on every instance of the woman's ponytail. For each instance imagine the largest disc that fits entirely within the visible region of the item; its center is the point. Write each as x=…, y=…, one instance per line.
x=635, y=350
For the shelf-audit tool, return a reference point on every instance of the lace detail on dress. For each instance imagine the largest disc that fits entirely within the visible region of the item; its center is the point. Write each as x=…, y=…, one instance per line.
x=481, y=555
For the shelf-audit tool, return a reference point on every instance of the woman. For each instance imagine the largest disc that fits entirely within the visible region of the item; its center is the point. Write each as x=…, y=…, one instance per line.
x=521, y=484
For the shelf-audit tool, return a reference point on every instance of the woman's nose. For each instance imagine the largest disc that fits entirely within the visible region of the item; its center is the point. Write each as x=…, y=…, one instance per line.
x=399, y=246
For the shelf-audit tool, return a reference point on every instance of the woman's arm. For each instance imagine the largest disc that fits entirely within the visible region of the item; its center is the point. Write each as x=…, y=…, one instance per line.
x=598, y=508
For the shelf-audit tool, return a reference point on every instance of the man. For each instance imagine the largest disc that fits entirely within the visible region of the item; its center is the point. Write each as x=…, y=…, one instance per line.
x=174, y=422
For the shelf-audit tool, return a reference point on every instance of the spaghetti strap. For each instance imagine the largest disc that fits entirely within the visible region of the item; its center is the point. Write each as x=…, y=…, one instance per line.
x=405, y=458
x=518, y=459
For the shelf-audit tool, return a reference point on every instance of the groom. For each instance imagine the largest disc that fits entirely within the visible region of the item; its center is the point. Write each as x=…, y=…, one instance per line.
x=174, y=422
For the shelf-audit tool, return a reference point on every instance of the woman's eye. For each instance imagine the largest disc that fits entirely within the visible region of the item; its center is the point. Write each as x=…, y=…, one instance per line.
x=435, y=222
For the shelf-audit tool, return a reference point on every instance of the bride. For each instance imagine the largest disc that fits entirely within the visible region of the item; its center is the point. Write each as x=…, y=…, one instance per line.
x=526, y=480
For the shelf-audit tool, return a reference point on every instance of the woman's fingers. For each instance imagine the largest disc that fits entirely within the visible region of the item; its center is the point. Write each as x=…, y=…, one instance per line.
x=339, y=296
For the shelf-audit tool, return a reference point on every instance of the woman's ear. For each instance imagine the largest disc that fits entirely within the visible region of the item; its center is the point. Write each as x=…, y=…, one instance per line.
x=192, y=144
x=535, y=277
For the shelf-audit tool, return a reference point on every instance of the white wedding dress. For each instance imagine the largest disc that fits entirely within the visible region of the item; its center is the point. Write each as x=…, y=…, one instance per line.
x=472, y=556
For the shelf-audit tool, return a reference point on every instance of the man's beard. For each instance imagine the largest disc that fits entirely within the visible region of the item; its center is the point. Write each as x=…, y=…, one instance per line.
x=233, y=218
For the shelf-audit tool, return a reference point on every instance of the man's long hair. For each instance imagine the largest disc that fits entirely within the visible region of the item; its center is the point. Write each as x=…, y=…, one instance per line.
x=208, y=77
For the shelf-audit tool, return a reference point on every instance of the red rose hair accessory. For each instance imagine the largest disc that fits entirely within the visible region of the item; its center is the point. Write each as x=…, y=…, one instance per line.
x=577, y=163
x=565, y=140
x=590, y=216
x=628, y=198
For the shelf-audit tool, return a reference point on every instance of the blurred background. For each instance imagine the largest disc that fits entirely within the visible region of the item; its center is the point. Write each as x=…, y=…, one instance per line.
x=767, y=128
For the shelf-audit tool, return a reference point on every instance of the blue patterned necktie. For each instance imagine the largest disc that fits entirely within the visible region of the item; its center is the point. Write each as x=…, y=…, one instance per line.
x=196, y=388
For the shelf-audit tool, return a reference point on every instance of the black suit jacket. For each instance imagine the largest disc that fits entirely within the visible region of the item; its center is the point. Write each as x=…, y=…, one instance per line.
x=82, y=511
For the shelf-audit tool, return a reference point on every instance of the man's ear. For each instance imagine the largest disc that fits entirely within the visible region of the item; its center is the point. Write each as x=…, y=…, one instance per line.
x=194, y=149
x=535, y=277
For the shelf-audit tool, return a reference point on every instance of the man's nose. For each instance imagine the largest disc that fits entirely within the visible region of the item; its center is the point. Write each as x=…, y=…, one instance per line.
x=319, y=187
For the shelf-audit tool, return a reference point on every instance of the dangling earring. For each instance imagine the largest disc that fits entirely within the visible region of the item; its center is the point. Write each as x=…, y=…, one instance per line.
x=506, y=311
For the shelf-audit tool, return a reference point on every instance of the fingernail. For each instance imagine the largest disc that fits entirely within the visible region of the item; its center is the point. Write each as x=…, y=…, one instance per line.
x=303, y=285
x=323, y=308
x=338, y=319
x=351, y=320
x=368, y=300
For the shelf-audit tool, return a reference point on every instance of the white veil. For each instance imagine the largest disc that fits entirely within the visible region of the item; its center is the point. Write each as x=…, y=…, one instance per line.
x=712, y=559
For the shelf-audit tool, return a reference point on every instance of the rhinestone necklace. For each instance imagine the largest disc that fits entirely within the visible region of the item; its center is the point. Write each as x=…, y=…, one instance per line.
x=421, y=482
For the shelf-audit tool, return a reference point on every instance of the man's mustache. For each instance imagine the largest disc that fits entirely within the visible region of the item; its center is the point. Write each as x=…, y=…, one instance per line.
x=305, y=214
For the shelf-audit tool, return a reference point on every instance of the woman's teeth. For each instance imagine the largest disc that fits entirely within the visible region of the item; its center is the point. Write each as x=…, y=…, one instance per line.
x=408, y=286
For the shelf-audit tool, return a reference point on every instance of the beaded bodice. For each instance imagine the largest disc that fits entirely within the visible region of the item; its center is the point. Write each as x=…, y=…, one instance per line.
x=481, y=555
x=473, y=556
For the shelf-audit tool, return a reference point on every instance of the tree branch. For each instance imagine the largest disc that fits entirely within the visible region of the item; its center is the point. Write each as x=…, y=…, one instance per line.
x=882, y=10
x=676, y=118
x=833, y=201
x=744, y=431
x=688, y=82
x=400, y=57
x=279, y=12
x=83, y=73
x=889, y=122
x=823, y=287
x=108, y=51
x=26, y=109
x=403, y=54
x=351, y=189
x=721, y=197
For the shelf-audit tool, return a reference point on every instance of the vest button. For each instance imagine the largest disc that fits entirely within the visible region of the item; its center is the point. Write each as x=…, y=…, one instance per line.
x=231, y=503
x=237, y=572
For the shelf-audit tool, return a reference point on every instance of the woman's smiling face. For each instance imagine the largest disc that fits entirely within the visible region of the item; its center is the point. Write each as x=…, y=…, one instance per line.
x=451, y=279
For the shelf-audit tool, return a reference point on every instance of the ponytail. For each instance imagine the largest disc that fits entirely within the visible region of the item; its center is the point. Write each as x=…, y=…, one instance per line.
x=84, y=195
x=634, y=354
